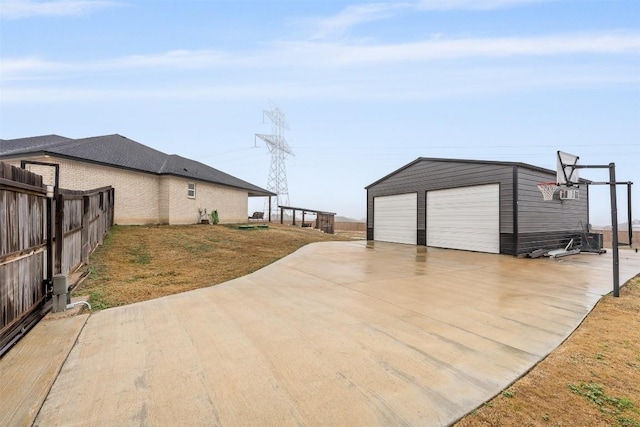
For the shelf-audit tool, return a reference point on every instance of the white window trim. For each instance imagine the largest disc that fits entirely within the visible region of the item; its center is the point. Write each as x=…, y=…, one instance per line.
x=191, y=192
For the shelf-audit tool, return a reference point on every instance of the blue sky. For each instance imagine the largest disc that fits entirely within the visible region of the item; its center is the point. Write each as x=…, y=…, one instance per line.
x=367, y=87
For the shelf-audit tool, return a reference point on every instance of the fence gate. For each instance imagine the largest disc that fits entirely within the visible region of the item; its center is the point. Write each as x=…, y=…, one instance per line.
x=41, y=236
x=23, y=251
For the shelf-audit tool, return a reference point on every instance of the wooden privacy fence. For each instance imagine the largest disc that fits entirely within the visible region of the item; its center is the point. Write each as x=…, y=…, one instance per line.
x=40, y=237
x=623, y=236
x=83, y=218
x=23, y=247
x=350, y=226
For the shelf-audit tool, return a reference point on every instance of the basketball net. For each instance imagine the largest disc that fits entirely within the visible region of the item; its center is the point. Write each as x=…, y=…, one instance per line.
x=548, y=189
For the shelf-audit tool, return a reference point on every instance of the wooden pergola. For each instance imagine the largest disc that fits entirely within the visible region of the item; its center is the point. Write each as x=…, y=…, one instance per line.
x=324, y=220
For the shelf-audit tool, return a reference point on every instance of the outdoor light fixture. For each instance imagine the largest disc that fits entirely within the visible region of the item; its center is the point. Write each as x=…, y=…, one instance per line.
x=50, y=191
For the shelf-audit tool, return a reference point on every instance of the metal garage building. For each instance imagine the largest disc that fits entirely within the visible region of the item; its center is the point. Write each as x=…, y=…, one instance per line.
x=484, y=206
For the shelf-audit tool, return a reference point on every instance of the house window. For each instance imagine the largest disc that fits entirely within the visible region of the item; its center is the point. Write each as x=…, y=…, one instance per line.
x=191, y=190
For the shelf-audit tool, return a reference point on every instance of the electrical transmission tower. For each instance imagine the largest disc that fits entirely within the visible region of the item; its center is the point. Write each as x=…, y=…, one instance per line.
x=279, y=148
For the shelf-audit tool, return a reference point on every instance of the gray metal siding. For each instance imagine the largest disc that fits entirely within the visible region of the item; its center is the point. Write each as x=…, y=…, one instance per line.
x=548, y=224
x=536, y=215
x=430, y=175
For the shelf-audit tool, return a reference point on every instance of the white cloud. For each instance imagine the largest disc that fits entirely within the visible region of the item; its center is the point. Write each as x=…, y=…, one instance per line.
x=175, y=92
x=417, y=84
x=27, y=68
x=354, y=15
x=341, y=54
x=12, y=68
x=324, y=55
x=189, y=59
x=18, y=9
x=435, y=68
x=472, y=4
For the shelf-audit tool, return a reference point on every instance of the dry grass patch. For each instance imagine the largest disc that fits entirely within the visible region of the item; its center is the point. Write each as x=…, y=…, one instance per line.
x=145, y=262
x=592, y=379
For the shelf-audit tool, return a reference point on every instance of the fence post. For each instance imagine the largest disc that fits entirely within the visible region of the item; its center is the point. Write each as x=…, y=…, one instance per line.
x=112, y=206
x=103, y=213
x=85, y=244
x=59, y=236
x=50, y=256
x=60, y=292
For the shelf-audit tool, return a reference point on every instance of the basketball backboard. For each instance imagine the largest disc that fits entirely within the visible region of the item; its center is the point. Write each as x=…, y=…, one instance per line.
x=567, y=174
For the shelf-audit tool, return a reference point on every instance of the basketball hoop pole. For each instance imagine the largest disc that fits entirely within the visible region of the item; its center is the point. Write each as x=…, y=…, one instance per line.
x=567, y=175
x=614, y=220
x=614, y=230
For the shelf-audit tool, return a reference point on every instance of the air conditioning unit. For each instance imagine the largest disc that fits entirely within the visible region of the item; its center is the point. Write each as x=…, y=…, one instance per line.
x=569, y=194
x=592, y=242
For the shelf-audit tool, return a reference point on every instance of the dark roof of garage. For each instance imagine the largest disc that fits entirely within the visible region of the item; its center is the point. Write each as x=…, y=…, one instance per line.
x=121, y=152
x=482, y=162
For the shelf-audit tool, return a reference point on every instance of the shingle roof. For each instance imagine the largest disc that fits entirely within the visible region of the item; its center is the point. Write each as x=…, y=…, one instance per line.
x=9, y=146
x=119, y=151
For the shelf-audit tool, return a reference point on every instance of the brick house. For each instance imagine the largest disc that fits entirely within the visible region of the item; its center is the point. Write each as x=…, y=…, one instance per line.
x=151, y=187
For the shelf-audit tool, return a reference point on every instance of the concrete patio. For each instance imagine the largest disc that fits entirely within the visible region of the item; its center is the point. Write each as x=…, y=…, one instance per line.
x=340, y=333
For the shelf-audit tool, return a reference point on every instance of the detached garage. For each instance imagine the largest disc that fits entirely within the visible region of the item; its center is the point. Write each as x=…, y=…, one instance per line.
x=483, y=206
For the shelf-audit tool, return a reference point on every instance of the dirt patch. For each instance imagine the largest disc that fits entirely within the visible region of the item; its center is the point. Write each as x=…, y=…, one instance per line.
x=592, y=379
x=141, y=263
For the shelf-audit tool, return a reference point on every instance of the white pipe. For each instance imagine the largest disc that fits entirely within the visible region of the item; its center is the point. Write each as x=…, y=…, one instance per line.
x=73, y=304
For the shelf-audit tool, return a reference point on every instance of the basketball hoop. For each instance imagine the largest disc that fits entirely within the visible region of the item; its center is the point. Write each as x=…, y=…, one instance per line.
x=548, y=189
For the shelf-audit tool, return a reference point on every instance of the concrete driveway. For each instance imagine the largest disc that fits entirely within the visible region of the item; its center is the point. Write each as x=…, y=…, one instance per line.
x=350, y=333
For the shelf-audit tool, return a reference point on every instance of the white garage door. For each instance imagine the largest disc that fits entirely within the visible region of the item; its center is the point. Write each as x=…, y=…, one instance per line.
x=395, y=218
x=465, y=218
